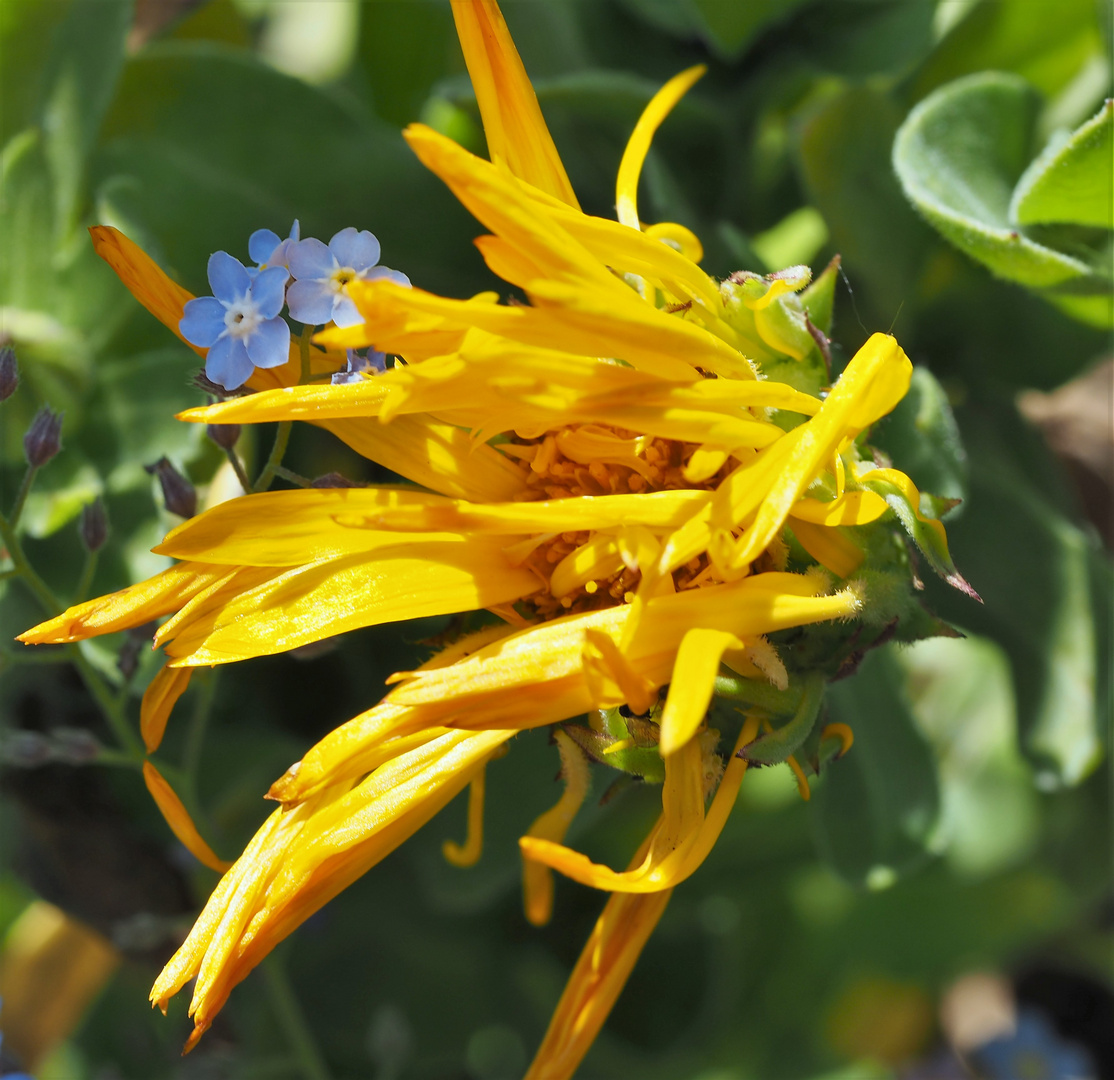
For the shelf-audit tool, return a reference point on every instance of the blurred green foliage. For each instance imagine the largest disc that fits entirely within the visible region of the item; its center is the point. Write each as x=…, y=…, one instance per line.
x=968, y=827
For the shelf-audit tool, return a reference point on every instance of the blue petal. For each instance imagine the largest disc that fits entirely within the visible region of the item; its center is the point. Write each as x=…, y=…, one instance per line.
x=269, y=346
x=268, y=291
x=385, y=273
x=310, y=302
x=227, y=363
x=227, y=277
x=344, y=311
x=358, y=250
x=295, y=231
x=262, y=244
x=311, y=259
x=202, y=321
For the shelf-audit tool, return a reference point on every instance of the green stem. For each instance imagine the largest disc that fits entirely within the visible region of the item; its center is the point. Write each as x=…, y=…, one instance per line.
x=759, y=694
x=111, y=705
x=282, y=437
x=195, y=735
x=87, y=573
x=238, y=469
x=293, y=1021
x=293, y=477
x=21, y=496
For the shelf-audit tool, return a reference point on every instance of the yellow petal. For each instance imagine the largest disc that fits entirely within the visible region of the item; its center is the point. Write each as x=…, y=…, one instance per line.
x=159, y=699
x=468, y=853
x=638, y=145
x=513, y=124
x=133, y=606
x=853, y=508
x=690, y=689
x=319, y=600
x=600, y=974
x=537, y=880
x=829, y=547
x=181, y=824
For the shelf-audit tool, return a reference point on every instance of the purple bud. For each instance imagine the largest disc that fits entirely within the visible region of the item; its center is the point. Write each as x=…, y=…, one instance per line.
x=178, y=493
x=93, y=526
x=25, y=749
x=224, y=435
x=9, y=372
x=44, y=437
x=138, y=636
x=334, y=480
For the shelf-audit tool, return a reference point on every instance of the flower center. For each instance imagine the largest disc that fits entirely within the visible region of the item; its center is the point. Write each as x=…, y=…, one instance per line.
x=587, y=571
x=242, y=318
x=342, y=277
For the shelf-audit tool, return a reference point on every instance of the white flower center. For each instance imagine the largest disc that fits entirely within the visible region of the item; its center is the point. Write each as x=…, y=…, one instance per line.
x=341, y=276
x=242, y=318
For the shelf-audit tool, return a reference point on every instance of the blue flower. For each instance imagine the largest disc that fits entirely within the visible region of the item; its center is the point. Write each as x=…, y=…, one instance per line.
x=321, y=273
x=239, y=323
x=266, y=249
x=375, y=362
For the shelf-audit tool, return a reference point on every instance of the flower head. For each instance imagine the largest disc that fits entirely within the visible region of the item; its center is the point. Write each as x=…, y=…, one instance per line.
x=239, y=324
x=322, y=272
x=613, y=470
x=266, y=249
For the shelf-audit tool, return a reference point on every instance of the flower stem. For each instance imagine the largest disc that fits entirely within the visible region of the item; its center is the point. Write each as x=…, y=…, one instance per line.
x=293, y=477
x=238, y=469
x=112, y=705
x=87, y=572
x=282, y=437
x=21, y=496
x=293, y=1020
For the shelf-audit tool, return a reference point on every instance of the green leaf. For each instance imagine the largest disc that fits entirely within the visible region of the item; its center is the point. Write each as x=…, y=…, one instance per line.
x=1047, y=590
x=1045, y=43
x=727, y=26
x=843, y=156
x=922, y=438
x=958, y=155
x=876, y=808
x=1071, y=180
x=204, y=178
x=78, y=85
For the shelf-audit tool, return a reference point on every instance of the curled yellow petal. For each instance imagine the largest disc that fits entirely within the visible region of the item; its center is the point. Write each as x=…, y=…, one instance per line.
x=537, y=879
x=177, y=817
x=160, y=697
x=468, y=853
x=829, y=547
x=638, y=145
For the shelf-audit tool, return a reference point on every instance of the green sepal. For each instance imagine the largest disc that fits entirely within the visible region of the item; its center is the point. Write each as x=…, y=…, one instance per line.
x=818, y=300
x=642, y=759
x=929, y=541
x=777, y=746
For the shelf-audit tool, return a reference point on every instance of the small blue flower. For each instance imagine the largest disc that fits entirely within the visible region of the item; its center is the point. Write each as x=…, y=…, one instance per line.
x=239, y=323
x=266, y=249
x=373, y=362
x=321, y=273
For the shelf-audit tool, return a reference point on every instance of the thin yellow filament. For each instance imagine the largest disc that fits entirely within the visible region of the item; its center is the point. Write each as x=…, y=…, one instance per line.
x=630, y=168
x=841, y=732
x=179, y=820
x=537, y=879
x=469, y=854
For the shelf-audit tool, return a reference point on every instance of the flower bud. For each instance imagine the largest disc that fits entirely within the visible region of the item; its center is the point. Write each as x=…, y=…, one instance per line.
x=178, y=493
x=9, y=373
x=44, y=437
x=224, y=435
x=334, y=480
x=75, y=746
x=93, y=527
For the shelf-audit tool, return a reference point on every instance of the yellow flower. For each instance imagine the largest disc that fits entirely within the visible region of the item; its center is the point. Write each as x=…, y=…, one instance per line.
x=604, y=468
